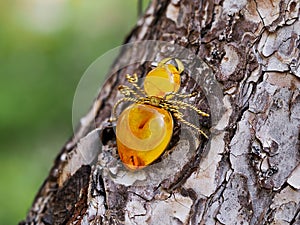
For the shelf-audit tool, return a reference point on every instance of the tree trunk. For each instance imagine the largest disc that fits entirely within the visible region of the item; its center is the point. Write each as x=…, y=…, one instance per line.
x=247, y=172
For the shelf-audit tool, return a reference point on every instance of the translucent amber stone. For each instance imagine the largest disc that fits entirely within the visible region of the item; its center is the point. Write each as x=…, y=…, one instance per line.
x=162, y=80
x=143, y=133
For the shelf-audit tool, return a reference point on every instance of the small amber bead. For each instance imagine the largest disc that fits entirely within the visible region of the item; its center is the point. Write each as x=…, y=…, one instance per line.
x=143, y=133
x=162, y=80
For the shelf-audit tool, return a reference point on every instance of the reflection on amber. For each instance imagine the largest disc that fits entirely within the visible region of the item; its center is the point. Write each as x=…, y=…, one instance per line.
x=143, y=133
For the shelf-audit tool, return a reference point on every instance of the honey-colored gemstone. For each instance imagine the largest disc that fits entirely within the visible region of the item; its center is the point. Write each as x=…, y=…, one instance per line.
x=143, y=133
x=162, y=80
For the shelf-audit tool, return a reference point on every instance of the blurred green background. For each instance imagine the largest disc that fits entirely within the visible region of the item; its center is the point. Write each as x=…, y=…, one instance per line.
x=45, y=47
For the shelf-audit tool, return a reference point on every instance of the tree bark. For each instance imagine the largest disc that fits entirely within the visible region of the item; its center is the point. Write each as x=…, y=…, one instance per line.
x=248, y=172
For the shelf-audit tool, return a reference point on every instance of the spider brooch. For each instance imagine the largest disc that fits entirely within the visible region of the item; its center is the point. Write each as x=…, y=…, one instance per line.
x=144, y=129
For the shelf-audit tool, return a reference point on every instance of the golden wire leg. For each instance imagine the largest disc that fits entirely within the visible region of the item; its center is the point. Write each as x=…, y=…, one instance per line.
x=172, y=94
x=190, y=124
x=184, y=104
x=133, y=79
x=128, y=91
x=179, y=63
x=125, y=99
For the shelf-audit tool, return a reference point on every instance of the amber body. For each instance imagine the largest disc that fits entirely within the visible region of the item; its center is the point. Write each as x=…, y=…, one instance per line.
x=161, y=81
x=143, y=133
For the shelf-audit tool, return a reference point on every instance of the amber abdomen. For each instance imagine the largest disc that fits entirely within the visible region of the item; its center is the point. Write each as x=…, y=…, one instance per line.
x=143, y=133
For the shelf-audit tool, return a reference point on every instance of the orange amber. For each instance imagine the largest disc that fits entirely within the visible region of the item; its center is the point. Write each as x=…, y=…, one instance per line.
x=162, y=80
x=143, y=133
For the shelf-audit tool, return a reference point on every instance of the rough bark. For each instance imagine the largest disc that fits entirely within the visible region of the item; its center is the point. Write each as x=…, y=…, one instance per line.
x=247, y=173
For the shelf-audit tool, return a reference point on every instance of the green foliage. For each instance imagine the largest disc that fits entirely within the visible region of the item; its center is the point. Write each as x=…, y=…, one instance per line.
x=45, y=47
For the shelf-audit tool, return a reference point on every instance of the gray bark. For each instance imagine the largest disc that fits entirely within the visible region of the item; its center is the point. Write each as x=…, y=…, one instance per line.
x=247, y=173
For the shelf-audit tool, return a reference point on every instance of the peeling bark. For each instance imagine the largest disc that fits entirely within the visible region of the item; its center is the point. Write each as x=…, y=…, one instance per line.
x=248, y=173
